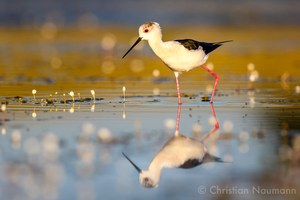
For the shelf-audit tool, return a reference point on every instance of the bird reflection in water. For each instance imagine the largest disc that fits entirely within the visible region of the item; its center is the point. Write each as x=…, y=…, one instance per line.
x=178, y=152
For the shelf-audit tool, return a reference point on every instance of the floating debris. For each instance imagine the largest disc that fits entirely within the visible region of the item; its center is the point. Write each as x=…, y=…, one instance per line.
x=33, y=93
x=108, y=67
x=72, y=95
x=227, y=126
x=33, y=114
x=156, y=73
x=93, y=108
x=250, y=67
x=244, y=148
x=108, y=42
x=3, y=107
x=104, y=135
x=72, y=109
x=156, y=91
x=3, y=131
x=88, y=128
x=93, y=94
x=253, y=76
x=56, y=62
x=243, y=136
x=210, y=66
x=297, y=89
x=50, y=145
x=49, y=30
x=49, y=102
x=169, y=123
x=137, y=66
x=124, y=93
x=205, y=98
x=16, y=139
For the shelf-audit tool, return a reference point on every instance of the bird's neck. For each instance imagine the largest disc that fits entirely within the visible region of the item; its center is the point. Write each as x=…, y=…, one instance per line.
x=155, y=168
x=156, y=44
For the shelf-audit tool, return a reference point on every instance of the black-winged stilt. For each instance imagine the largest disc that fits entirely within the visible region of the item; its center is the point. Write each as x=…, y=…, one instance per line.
x=178, y=152
x=179, y=55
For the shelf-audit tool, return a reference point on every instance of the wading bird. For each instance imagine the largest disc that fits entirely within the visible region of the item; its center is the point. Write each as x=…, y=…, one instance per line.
x=178, y=152
x=179, y=55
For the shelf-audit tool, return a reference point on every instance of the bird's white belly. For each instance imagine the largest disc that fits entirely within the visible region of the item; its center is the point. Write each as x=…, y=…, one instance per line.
x=181, y=63
x=180, y=59
x=179, y=150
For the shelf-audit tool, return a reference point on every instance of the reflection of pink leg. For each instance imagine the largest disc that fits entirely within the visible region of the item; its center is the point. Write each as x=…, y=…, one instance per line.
x=178, y=88
x=216, y=124
x=178, y=118
x=215, y=117
x=216, y=82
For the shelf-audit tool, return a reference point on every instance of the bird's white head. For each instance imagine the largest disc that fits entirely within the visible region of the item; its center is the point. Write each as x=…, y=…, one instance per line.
x=149, y=179
x=147, y=31
x=150, y=30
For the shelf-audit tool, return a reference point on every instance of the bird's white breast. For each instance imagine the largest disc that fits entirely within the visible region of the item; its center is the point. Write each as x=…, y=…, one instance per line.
x=180, y=149
x=177, y=57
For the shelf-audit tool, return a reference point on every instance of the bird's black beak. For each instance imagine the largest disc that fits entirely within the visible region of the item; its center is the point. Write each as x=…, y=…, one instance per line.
x=136, y=42
x=135, y=166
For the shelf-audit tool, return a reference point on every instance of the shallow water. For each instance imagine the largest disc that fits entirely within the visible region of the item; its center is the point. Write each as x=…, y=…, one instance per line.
x=54, y=147
x=74, y=150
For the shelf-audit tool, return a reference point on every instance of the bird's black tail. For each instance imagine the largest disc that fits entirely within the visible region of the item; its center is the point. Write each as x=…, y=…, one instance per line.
x=222, y=42
x=211, y=158
x=209, y=47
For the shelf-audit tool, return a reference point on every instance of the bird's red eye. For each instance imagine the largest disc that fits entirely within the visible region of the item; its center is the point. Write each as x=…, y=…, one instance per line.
x=146, y=30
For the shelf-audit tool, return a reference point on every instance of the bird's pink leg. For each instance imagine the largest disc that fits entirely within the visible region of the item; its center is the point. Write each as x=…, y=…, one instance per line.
x=178, y=118
x=216, y=82
x=178, y=88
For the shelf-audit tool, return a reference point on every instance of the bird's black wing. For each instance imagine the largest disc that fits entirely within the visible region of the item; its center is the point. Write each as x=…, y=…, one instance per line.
x=194, y=162
x=190, y=163
x=195, y=45
x=189, y=44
